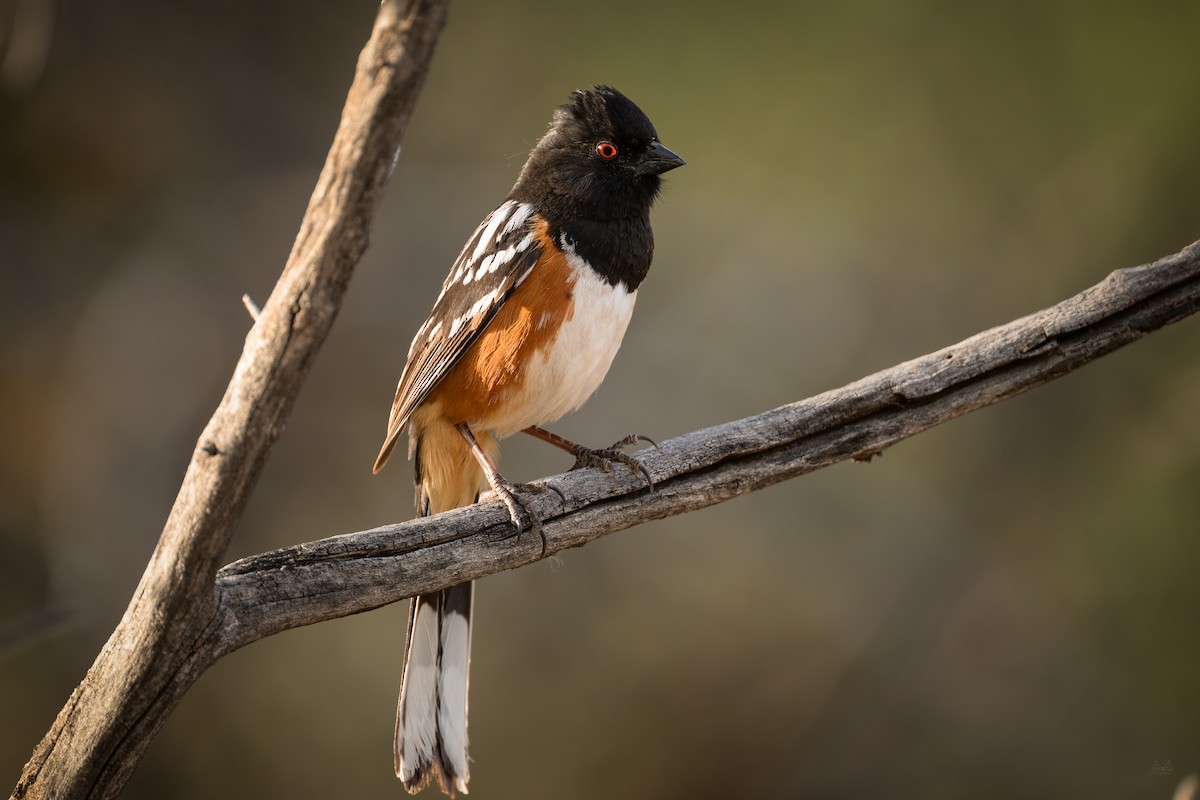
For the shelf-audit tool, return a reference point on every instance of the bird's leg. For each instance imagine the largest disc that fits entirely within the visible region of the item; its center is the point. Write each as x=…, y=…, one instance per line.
x=509, y=493
x=602, y=458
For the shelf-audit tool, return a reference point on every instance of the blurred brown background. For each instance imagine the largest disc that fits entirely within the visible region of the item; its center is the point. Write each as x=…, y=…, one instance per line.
x=1003, y=607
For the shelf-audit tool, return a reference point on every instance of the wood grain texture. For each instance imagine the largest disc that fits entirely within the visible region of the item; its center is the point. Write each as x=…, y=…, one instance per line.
x=355, y=572
x=172, y=629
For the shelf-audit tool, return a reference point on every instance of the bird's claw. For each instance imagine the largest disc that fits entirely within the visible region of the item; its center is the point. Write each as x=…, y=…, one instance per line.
x=512, y=495
x=603, y=458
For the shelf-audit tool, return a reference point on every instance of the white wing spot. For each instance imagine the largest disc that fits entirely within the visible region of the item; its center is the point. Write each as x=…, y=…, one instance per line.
x=524, y=275
x=487, y=265
x=518, y=218
x=496, y=260
x=489, y=233
x=484, y=302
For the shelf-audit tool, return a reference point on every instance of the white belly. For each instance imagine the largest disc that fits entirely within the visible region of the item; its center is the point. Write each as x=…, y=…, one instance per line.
x=560, y=378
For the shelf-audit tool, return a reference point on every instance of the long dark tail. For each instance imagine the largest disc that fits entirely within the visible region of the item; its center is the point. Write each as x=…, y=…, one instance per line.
x=431, y=716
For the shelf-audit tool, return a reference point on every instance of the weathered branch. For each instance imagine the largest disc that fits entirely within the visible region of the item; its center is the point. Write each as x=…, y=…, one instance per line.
x=173, y=628
x=186, y=614
x=346, y=574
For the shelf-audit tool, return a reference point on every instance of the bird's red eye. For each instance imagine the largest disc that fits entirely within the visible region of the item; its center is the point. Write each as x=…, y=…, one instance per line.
x=606, y=150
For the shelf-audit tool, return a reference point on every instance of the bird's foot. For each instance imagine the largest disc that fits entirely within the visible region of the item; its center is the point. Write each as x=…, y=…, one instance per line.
x=513, y=495
x=603, y=458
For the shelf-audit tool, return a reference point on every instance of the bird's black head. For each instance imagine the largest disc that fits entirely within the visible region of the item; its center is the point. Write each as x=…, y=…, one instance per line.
x=600, y=160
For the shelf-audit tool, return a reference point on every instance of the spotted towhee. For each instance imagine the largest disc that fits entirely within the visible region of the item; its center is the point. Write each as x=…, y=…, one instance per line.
x=525, y=328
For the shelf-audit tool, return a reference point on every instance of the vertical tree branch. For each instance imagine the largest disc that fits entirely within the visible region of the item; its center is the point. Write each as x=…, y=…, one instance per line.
x=165, y=639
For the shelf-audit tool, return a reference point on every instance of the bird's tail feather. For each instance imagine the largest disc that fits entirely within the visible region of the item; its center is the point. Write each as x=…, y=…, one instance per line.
x=431, y=716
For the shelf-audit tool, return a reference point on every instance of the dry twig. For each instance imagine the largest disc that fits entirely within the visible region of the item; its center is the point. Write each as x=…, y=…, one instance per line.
x=172, y=630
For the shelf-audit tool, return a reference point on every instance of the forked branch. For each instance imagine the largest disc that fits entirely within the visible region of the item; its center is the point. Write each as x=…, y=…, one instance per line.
x=171, y=631
x=185, y=613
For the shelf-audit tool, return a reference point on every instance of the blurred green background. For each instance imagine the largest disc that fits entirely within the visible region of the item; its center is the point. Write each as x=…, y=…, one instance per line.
x=1003, y=607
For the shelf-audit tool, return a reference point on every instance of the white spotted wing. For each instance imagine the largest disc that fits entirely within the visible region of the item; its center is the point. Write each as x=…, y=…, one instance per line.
x=496, y=259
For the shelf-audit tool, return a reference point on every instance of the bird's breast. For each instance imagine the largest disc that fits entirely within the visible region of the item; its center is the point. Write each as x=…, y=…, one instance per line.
x=572, y=360
x=543, y=354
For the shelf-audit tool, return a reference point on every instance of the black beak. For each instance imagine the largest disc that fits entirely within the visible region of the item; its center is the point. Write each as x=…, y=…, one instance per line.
x=657, y=160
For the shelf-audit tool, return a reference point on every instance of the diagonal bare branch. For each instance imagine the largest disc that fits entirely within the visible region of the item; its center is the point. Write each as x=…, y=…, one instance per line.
x=186, y=613
x=355, y=572
x=169, y=633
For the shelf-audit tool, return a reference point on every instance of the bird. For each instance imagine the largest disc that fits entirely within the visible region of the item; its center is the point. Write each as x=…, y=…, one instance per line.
x=526, y=326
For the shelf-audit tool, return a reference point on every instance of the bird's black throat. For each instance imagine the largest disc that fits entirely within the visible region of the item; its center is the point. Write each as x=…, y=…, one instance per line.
x=620, y=250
